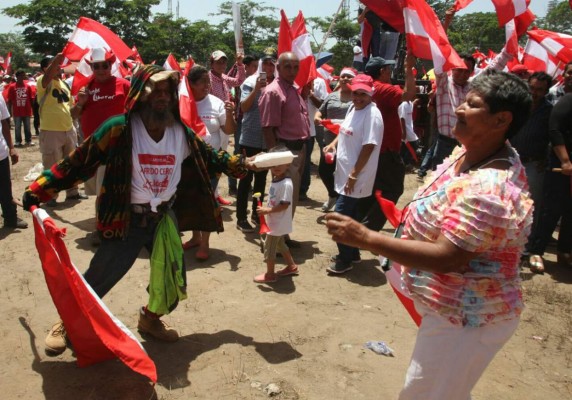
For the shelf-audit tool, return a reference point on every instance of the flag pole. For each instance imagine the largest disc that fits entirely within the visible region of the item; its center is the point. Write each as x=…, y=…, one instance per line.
x=330, y=28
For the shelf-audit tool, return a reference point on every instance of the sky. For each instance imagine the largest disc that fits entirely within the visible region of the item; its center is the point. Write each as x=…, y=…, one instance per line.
x=191, y=10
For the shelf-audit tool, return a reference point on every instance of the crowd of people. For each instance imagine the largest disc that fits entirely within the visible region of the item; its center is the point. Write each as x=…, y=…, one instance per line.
x=495, y=179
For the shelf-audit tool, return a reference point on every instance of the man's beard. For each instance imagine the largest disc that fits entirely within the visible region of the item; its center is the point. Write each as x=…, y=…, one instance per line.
x=157, y=119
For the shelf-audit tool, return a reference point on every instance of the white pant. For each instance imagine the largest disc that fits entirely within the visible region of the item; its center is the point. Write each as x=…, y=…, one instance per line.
x=448, y=360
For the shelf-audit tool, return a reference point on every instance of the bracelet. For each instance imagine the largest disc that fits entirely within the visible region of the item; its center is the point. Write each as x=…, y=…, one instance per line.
x=353, y=178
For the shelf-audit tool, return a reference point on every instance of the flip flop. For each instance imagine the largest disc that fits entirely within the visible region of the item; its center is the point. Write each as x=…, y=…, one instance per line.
x=289, y=270
x=536, y=264
x=263, y=278
x=202, y=255
x=189, y=245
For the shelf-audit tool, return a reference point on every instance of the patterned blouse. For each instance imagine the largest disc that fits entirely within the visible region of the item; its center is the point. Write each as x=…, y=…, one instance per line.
x=487, y=211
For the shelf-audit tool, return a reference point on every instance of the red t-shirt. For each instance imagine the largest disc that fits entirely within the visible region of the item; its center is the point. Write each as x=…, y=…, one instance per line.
x=104, y=100
x=21, y=96
x=388, y=98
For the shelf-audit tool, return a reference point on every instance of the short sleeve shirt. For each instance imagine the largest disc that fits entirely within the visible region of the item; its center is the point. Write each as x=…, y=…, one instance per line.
x=55, y=103
x=280, y=192
x=212, y=113
x=4, y=114
x=388, y=98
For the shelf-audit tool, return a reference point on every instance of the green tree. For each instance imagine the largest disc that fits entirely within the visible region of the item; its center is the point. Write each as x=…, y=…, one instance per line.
x=49, y=23
x=14, y=42
x=558, y=18
x=476, y=30
x=259, y=27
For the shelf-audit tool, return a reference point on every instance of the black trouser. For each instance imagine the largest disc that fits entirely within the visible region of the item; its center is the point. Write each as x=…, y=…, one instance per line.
x=389, y=179
x=8, y=207
x=326, y=173
x=245, y=183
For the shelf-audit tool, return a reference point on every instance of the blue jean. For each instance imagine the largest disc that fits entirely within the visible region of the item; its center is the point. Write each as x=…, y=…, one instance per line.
x=444, y=146
x=306, y=179
x=346, y=205
x=114, y=258
x=18, y=122
x=556, y=203
x=427, y=160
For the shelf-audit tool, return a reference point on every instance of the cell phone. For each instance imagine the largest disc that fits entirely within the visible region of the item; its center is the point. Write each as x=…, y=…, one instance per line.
x=262, y=76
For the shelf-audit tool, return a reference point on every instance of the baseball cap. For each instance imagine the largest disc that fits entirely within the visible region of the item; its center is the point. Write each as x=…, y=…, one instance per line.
x=375, y=64
x=348, y=71
x=519, y=69
x=362, y=82
x=217, y=55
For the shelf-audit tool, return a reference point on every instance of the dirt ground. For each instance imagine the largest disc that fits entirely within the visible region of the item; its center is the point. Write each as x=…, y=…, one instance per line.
x=305, y=334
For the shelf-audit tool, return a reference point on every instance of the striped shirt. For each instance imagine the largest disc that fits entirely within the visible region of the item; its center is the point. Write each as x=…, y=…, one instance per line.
x=220, y=85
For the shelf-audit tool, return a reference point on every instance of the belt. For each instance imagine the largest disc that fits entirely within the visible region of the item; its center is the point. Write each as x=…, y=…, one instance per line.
x=293, y=142
x=146, y=207
x=448, y=139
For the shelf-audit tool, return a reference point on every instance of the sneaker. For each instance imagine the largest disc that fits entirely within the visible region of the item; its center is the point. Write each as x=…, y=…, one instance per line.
x=30, y=144
x=223, y=202
x=18, y=223
x=56, y=341
x=339, y=268
x=336, y=258
x=18, y=145
x=254, y=219
x=244, y=226
x=78, y=197
x=329, y=204
x=157, y=328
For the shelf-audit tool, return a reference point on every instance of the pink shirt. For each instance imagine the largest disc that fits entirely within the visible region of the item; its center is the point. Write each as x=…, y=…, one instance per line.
x=282, y=107
x=220, y=85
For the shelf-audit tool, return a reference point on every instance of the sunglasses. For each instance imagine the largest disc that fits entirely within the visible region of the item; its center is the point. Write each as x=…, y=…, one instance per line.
x=100, y=66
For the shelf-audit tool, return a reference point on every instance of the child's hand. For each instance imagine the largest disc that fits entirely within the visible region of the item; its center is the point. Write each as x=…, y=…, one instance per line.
x=263, y=210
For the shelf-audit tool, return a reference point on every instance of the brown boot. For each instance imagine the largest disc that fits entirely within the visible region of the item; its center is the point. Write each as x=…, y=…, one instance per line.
x=56, y=341
x=156, y=328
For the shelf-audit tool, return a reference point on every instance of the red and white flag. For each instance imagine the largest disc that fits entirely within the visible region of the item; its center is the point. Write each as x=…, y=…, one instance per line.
x=515, y=28
x=6, y=63
x=88, y=35
x=295, y=38
x=187, y=105
x=426, y=37
x=509, y=9
x=536, y=58
x=326, y=72
x=171, y=63
x=390, y=11
x=95, y=333
x=558, y=45
x=460, y=4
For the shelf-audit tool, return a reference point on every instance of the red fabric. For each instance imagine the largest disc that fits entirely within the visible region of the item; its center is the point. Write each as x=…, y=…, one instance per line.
x=391, y=212
x=95, y=333
x=394, y=278
x=21, y=96
x=387, y=97
x=295, y=38
x=391, y=11
x=558, y=45
x=460, y=4
x=426, y=37
x=507, y=10
x=523, y=22
x=366, y=37
x=7, y=62
x=263, y=226
x=171, y=63
x=511, y=45
x=104, y=101
x=135, y=55
x=329, y=125
x=188, y=106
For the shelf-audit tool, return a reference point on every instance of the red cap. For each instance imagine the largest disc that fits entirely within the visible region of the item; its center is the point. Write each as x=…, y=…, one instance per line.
x=362, y=82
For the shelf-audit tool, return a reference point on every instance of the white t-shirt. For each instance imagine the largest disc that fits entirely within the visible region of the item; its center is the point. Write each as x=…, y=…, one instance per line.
x=321, y=93
x=212, y=112
x=156, y=166
x=280, y=192
x=4, y=114
x=405, y=111
x=360, y=127
x=358, y=56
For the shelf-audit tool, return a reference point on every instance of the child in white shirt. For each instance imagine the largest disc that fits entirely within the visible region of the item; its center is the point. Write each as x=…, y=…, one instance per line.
x=278, y=213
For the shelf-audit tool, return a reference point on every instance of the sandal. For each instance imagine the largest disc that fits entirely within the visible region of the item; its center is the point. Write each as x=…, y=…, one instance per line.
x=536, y=264
x=289, y=270
x=263, y=278
x=189, y=245
x=202, y=255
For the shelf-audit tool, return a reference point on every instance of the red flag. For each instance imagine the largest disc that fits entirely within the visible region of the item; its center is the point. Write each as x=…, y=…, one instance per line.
x=90, y=34
x=188, y=106
x=390, y=11
x=523, y=21
x=391, y=212
x=460, y=4
x=536, y=58
x=511, y=45
x=295, y=38
x=509, y=9
x=171, y=63
x=7, y=63
x=95, y=333
x=135, y=55
x=558, y=45
x=366, y=34
x=394, y=278
x=331, y=126
x=326, y=71
x=426, y=37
